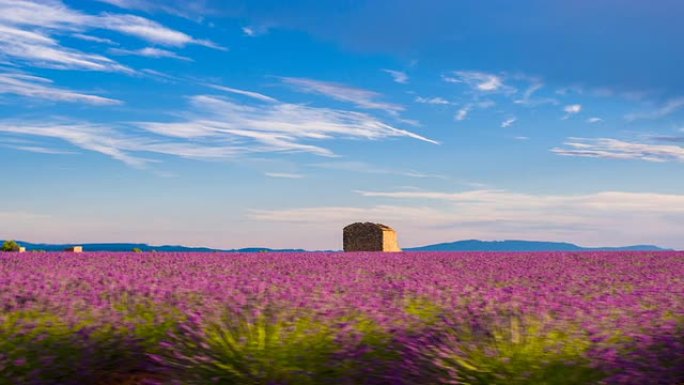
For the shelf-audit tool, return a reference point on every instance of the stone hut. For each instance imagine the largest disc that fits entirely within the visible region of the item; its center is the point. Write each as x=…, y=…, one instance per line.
x=369, y=237
x=74, y=249
x=22, y=249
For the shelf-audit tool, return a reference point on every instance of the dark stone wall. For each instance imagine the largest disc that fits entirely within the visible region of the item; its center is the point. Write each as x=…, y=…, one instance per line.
x=363, y=237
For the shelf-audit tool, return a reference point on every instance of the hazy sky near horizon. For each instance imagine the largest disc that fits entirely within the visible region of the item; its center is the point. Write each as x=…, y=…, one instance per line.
x=273, y=123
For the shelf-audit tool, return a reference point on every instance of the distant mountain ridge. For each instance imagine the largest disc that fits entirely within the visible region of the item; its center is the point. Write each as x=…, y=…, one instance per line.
x=466, y=245
x=517, y=245
x=144, y=247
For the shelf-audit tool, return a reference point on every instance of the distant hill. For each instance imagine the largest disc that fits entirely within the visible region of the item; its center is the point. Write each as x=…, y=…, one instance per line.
x=514, y=245
x=144, y=247
x=469, y=245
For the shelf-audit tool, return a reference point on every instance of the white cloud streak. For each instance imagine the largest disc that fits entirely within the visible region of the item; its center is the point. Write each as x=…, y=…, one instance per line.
x=398, y=76
x=363, y=167
x=96, y=138
x=150, y=52
x=433, y=100
x=255, y=31
x=617, y=149
x=359, y=97
x=479, y=81
x=215, y=128
x=188, y=9
x=39, y=49
x=41, y=88
x=277, y=125
x=528, y=98
x=147, y=30
x=501, y=199
x=284, y=175
x=668, y=108
x=462, y=113
x=41, y=150
x=29, y=32
x=572, y=109
x=508, y=122
x=250, y=94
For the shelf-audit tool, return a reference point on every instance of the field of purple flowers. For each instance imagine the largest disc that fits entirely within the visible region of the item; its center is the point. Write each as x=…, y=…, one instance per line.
x=342, y=318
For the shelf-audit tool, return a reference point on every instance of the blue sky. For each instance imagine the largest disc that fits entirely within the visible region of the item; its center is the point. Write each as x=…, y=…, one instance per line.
x=271, y=123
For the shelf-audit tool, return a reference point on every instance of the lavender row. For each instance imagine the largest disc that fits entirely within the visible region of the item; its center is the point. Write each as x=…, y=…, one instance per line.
x=404, y=318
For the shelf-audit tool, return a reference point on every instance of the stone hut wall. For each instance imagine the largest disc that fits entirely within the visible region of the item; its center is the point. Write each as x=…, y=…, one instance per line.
x=362, y=237
x=369, y=237
x=389, y=240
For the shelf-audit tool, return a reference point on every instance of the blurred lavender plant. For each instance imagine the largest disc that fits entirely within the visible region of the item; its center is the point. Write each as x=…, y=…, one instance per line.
x=509, y=350
x=259, y=348
x=333, y=318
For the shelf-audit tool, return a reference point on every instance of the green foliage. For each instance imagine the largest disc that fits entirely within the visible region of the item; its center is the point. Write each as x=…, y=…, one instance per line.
x=265, y=349
x=148, y=323
x=137, y=250
x=515, y=352
x=41, y=348
x=10, y=245
x=424, y=310
x=283, y=347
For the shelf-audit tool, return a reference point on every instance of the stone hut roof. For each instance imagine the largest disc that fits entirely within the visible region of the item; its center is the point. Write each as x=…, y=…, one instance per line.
x=380, y=225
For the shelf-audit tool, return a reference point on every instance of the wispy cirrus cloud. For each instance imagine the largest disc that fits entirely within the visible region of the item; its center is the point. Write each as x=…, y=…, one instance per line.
x=150, y=52
x=528, y=98
x=53, y=15
x=284, y=175
x=189, y=9
x=281, y=126
x=397, y=76
x=610, y=200
x=570, y=110
x=30, y=33
x=479, y=81
x=508, y=122
x=463, y=112
x=99, y=138
x=367, y=168
x=30, y=146
x=147, y=30
x=40, y=150
x=250, y=94
x=357, y=96
x=40, y=88
x=669, y=107
x=214, y=128
x=39, y=49
x=434, y=100
x=618, y=149
x=254, y=31
x=466, y=109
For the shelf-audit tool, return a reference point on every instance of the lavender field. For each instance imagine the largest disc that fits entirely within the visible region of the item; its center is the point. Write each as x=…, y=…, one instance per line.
x=342, y=318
